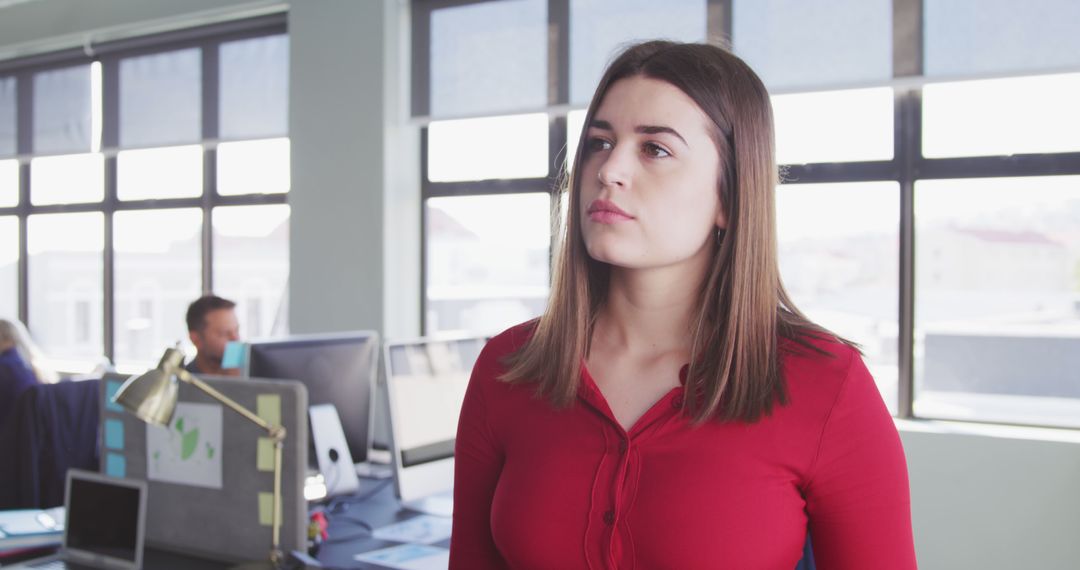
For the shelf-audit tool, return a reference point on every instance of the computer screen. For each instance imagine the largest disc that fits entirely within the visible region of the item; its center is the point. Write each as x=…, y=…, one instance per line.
x=426, y=382
x=337, y=369
x=103, y=518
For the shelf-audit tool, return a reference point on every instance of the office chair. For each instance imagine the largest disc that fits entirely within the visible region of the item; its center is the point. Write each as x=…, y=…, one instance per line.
x=53, y=427
x=807, y=561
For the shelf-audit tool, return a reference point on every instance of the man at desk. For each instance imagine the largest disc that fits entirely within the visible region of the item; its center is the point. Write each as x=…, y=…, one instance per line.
x=212, y=324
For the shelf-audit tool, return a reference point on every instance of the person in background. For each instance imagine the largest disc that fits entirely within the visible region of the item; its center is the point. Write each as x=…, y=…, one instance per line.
x=212, y=324
x=20, y=365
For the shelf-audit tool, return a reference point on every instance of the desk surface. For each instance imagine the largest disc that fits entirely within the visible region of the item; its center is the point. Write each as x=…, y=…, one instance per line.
x=349, y=538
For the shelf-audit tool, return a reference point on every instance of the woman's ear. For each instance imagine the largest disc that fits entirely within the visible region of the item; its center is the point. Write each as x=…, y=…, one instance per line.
x=721, y=219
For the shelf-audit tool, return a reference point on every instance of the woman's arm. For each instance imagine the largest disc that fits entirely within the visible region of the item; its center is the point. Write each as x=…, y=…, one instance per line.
x=477, y=464
x=858, y=498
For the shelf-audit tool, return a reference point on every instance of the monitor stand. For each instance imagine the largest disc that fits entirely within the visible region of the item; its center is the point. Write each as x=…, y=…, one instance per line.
x=440, y=504
x=372, y=470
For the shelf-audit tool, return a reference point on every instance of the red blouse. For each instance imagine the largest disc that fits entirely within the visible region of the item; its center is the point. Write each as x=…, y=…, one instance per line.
x=536, y=487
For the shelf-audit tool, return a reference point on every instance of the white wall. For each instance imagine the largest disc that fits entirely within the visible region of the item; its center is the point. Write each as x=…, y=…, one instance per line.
x=355, y=192
x=983, y=497
x=994, y=497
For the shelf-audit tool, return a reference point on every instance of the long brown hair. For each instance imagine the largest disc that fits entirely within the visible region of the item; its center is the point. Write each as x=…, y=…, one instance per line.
x=734, y=369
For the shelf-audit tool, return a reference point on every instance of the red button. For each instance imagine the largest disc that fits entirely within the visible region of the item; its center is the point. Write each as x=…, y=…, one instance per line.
x=609, y=517
x=623, y=446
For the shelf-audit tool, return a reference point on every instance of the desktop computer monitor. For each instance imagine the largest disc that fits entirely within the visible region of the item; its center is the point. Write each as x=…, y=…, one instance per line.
x=336, y=368
x=425, y=386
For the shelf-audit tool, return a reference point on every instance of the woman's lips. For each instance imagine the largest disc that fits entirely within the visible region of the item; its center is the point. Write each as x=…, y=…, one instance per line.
x=605, y=212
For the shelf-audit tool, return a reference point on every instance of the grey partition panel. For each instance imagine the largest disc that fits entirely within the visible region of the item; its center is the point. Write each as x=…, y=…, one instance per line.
x=229, y=521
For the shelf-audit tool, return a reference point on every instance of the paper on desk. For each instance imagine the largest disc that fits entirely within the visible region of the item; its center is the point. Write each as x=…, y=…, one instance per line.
x=409, y=557
x=423, y=529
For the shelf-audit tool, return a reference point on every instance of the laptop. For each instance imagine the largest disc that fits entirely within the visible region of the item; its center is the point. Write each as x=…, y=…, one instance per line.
x=105, y=524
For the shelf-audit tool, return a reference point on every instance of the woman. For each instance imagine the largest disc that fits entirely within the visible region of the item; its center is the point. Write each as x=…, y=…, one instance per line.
x=672, y=408
x=19, y=365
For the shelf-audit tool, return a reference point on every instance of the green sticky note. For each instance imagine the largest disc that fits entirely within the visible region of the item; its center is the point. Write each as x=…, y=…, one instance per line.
x=266, y=507
x=268, y=407
x=264, y=456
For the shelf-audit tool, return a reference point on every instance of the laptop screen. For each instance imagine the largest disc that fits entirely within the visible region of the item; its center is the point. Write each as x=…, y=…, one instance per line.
x=103, y=518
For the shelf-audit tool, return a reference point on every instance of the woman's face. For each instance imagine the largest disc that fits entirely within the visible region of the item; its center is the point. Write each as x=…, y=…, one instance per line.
x=649, y=179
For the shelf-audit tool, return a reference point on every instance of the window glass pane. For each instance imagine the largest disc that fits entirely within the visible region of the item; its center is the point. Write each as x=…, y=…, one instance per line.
x=7, y=116
x=154, y=173
x=255, y=88
x=66, y=296
x=9, y=183
x=62, y=110
x=251, y=265
x=158, y=272
x=842, y=270
x=1040, y=35
x=9, y=267
x=489, y=57
x=67, y=179
x=1002, y=116
x=487, y=261
x=997, y=313
x=489, y=148
x=599, y=28
x=575, y=122
x=253, y=167
x=795, y=44
x=837, y=126
x=161, y=98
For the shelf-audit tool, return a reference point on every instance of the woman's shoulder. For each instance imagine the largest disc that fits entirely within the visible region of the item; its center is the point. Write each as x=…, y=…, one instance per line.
x=509, y=340
x=492, y=360
x=819, y=359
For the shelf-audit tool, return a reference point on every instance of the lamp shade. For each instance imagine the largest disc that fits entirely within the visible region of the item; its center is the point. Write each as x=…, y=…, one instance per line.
x=152, y=396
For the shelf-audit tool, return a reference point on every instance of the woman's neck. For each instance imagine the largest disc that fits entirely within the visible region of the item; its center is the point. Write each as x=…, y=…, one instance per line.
x=649, y=310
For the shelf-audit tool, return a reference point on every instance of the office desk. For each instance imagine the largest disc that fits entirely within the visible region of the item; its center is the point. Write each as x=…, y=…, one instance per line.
x=347, y=539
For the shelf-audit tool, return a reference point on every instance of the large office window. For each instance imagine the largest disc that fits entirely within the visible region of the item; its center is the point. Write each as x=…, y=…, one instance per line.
x=145, y=174
x=9, y=265
x=929, y=173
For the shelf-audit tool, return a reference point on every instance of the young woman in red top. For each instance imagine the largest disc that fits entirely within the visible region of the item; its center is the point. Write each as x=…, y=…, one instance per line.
x=672, y=408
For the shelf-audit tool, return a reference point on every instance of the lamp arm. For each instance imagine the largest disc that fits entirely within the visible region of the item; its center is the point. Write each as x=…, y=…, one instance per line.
x=276, y=432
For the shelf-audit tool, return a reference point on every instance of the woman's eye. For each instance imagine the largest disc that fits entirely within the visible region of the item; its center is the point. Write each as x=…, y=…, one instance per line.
x=597, y=144
x=655, y=151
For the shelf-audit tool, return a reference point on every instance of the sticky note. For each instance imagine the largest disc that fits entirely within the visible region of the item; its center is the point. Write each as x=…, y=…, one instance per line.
x=115, y=465
x=111, y=388
x=264, y=456
x=268, y=407
x=266, y=507
x=234, y=355
x=114, y=434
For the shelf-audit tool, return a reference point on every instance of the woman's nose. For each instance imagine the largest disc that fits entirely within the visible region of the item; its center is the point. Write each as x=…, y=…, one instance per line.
x=615, y=170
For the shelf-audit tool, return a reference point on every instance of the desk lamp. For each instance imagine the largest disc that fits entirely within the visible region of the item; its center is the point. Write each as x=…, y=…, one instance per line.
x=152, y=398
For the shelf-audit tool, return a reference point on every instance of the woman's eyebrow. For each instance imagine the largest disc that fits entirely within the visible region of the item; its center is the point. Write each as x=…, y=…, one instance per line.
x=642, y=129
x=655, y=129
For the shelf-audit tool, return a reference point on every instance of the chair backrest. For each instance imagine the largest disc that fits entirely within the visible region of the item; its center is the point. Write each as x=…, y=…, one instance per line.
x=53, y=428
